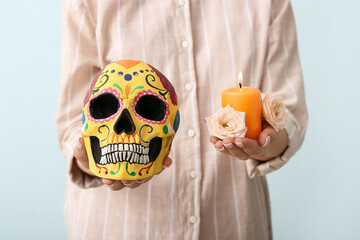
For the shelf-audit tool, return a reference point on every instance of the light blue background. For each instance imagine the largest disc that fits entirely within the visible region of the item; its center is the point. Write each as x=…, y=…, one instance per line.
x=31, y=204
x=315, y=196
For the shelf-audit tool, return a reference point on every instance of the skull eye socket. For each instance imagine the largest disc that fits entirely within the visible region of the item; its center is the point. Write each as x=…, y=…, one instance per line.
x=151, y=107
x=104, y=106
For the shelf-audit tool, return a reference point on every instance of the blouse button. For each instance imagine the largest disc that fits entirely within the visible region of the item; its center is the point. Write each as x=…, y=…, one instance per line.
x=181, y=3
x=188, y=86
x=193, y=174
x=193, y=219
x=185, y=44
x=191, y=133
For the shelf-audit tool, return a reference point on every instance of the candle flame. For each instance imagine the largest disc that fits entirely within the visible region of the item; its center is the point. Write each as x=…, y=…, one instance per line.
x=240, y=78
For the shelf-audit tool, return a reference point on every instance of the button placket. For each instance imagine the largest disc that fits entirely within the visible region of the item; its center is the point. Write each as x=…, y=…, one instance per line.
x=192, y=168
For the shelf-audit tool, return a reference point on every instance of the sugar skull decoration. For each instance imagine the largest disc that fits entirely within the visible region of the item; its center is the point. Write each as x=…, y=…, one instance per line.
x=130, y=117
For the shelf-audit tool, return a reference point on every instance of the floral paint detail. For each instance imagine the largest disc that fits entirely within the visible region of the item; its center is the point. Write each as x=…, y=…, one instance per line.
x=167, y=85
x=93, y=82
x=132, y=173
x=102, y=132
x=149, y=92
x=113, y=173
x=117, y=95
x=99, y=167
x=147, y=169
x=138, y=87
x=114, y=138
x=117, y=85
x=148, y=126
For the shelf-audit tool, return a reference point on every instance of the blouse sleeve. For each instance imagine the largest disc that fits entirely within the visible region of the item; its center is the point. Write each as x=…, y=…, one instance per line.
x=283, y=76
x=79, y=64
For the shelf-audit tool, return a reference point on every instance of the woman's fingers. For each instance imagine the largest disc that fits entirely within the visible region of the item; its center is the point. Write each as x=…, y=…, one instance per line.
x=81, y=157
x=167, y=162
x=266, y=135
x=250, y=147
x=117, y=185
x=131, y=183
x=245, y=148
x=258, y=149
x=238, y=153
x=144, y=180
x=114, y=185
x=219, y=145
x=80, y=153
x=233, y=149
x=213, y=139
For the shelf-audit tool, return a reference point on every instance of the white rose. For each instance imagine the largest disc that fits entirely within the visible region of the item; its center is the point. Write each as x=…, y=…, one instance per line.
x=274, y=111
x=227, y=122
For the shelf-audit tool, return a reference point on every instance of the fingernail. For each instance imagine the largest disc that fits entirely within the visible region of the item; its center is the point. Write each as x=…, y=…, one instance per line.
x=140, y=181
x=239, y=144
x=127, y=183
x=267, y=141
x=79, y=146
x=228, y=145
x=106, y=182
x=220, y=149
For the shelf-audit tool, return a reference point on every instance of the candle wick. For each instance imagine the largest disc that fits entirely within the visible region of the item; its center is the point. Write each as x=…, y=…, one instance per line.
x=240, y=85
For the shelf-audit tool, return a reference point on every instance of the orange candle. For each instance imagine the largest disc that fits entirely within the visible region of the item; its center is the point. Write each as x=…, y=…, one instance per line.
x=248, y=100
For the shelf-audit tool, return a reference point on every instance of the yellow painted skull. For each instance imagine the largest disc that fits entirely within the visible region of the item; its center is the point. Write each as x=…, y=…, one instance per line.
x=130, y=117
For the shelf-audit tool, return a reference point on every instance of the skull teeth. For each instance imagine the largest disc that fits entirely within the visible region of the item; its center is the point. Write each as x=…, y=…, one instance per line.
x=125, y=152
x=127, y=147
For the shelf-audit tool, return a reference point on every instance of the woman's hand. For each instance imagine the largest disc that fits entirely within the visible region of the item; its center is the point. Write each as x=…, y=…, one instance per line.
x=270, y=144
x=82, y=161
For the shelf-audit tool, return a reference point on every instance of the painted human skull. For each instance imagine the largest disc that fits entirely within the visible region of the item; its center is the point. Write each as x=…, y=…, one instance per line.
x=130, y=117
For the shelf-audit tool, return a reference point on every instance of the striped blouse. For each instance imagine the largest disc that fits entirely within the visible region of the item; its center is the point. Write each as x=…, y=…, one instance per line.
x=200, y=46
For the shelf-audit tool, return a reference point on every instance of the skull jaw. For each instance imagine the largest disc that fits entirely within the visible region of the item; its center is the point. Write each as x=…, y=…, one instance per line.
x=128, y=169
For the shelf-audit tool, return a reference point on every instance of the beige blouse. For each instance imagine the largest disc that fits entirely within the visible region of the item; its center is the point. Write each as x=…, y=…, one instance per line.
x=200, y=46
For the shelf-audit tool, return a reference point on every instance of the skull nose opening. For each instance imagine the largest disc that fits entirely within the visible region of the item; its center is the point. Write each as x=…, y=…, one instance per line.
x=124, y=124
